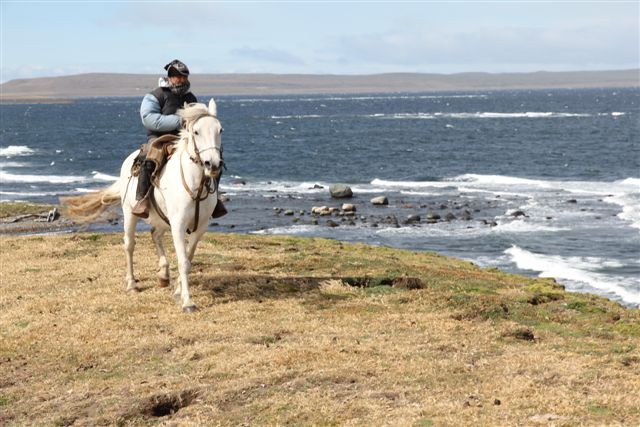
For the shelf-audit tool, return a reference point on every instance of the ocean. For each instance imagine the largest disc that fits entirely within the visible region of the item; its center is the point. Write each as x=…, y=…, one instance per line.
x=543, y=183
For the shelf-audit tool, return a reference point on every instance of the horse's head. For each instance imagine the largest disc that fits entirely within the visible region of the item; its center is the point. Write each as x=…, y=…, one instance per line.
x=203, y=133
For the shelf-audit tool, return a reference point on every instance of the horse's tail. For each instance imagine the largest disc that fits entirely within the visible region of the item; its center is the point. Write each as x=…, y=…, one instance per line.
x=89, y=207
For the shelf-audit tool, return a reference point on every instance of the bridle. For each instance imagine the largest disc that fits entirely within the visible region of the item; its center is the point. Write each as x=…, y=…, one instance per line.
x=204, y=188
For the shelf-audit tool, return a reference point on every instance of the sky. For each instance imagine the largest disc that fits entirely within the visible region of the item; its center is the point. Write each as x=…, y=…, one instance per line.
x=54, y=38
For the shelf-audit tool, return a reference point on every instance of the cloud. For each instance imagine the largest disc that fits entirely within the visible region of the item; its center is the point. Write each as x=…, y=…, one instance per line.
x=577, y=47
x=176, y=17
x=266, y=55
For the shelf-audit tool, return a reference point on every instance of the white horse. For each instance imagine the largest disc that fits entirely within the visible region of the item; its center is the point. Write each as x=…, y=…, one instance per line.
x=186, y=196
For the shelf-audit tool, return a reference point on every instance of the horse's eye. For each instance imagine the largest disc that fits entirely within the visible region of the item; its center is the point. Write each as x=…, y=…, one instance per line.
x=196, y=132
x=221, y=130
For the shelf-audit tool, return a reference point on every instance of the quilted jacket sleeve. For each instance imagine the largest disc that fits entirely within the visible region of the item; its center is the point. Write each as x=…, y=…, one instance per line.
x=152, y=117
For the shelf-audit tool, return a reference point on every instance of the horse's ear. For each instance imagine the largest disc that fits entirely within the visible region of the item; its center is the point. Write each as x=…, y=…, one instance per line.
x=213, y=108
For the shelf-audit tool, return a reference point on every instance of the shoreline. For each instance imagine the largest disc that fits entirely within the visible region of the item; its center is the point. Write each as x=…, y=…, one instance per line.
x=36, y=225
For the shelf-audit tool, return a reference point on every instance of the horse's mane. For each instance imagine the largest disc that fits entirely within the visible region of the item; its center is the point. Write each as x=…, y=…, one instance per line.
x=190, y=113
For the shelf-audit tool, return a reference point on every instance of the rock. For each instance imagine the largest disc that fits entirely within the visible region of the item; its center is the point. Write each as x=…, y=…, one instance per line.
x=443, y=206
x=239, y=182
x=314, y=222
x=412, y=219
x=321, y=210
x=572, y=201
x=349, y=207
x=316, y=186
x=380, y=200
x=450, y=217
x=349, y=213
x=288, y=212
x=392, y=220
x=432, y=215
x=466, y=216
x=332, y=223
x=518, y=213
x=340, y=191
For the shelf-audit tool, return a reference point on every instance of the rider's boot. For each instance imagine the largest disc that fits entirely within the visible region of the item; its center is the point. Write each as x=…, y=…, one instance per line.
x=141, y=209
x=219, y=210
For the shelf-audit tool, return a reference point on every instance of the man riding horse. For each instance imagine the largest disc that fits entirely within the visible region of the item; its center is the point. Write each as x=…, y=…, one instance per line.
x=158, y=113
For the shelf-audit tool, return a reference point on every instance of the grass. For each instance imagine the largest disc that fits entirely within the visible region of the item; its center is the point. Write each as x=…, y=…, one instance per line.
x=302, y=332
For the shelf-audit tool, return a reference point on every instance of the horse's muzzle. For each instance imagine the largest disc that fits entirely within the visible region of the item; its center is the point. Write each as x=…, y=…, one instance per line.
x=211, y=170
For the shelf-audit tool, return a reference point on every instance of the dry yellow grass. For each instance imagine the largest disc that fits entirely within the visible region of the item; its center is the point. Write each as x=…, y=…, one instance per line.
x=282, y=339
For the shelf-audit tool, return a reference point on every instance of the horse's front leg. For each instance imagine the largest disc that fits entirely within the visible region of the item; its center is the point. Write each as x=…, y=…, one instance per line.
x=130, y=222
x=184, y=266
x=163, y=265
x=194, y=238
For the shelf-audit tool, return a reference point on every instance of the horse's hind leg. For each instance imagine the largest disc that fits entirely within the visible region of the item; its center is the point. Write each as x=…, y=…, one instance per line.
x=163, y=265
x=130, y=222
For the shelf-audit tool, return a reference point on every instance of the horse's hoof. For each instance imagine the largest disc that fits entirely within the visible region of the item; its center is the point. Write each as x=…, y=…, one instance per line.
x=133, y=290
x=163, y=283
x=189, y=309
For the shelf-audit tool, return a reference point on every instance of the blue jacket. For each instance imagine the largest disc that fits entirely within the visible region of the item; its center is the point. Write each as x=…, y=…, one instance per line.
x=158, y=108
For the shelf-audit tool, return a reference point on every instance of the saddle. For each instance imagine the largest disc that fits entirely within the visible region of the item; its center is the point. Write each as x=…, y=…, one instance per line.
x=159, y=151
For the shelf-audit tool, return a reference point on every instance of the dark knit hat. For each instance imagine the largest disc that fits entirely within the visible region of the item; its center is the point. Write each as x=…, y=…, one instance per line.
x=176, y=68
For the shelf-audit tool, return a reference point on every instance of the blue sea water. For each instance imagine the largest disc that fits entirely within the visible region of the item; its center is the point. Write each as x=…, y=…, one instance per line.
x=568, y=159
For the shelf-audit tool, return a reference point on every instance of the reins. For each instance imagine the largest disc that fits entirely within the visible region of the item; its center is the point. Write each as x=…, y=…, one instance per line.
x=205, y=182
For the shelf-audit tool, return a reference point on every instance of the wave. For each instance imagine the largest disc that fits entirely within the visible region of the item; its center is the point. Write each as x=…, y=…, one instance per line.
x=12, y=165
x=576, y=269
x=98, y=176
x=16, y=150
x=287, y=187
x=520, y=226
x=411, y=184
x=27, y=194
x=302, y=116
x=484, y=115
x=52, y=179
x=355, y=98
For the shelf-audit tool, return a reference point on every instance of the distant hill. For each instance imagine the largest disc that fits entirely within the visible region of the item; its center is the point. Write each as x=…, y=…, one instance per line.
x=111, y=85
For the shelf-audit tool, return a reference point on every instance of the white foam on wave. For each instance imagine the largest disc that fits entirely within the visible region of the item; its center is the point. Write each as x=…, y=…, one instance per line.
x=27, y=194
x=286, y=187
x=291, y=229
x=53, y=179
x=354, y=98
x=302, y=116
x=12, y=165
x=99, y=176
x=486, y=115
x=576, y=269
x=522, y=226
x=498, y=180
x=411, y=184
x=16, y=150
x=630, y=204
